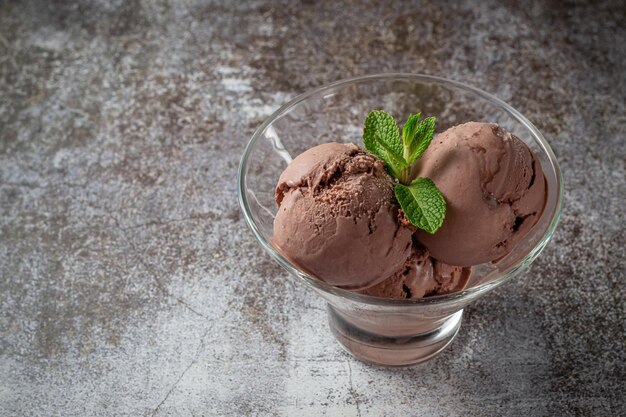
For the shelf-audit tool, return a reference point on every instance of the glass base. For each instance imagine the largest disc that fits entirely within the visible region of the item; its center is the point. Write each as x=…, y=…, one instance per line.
x=393, y=350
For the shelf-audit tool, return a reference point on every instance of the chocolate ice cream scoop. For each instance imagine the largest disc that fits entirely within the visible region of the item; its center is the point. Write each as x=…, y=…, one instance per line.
x=494, y=188
x=421, y=276
x=338, y=218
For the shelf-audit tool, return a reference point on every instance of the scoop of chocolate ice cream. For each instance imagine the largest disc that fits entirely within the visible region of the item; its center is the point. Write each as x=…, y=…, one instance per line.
x=338, y=218
x=421, y=276
x=494, y=188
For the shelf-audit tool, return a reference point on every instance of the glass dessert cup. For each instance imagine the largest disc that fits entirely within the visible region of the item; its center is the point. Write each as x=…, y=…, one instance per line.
x=390, y=332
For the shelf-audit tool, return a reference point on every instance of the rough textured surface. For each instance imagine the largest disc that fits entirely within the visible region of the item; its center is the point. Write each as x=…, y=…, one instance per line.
x=130, y=284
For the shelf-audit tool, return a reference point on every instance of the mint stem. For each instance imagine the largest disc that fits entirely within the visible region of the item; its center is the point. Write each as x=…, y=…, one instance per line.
x=404, y=175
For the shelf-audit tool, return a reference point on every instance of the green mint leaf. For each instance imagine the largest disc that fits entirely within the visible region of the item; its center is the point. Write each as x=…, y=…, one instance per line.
x=416, y=136
x=408, y=131
x=382, y=138
x=422, y=204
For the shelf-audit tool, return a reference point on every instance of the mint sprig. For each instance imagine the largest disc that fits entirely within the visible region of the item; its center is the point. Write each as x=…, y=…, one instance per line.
x=420, y=199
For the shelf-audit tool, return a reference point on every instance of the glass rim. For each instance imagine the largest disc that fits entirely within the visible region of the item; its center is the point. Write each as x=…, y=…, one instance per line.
x=500, y=278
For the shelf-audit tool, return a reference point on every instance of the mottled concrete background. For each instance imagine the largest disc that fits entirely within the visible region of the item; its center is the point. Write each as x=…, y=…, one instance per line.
x=130, y=284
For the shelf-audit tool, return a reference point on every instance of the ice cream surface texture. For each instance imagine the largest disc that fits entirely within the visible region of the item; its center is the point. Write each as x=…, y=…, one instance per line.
x=421, y=276
x=338, y=218
x=494, y=188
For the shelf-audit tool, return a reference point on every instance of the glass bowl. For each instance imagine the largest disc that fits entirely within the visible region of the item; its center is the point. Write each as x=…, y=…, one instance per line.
x=391, y=332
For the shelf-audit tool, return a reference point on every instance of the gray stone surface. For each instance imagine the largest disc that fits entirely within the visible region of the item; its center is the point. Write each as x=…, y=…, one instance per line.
x=130, y=284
